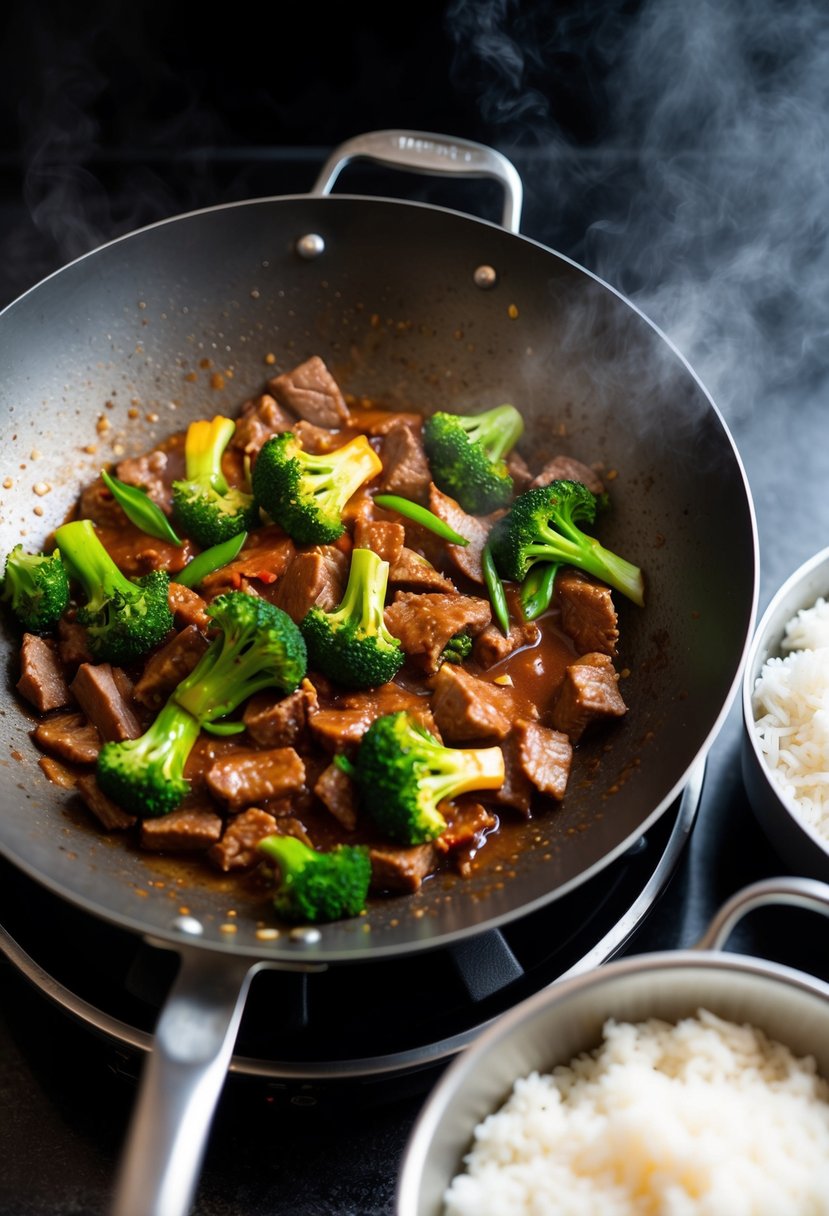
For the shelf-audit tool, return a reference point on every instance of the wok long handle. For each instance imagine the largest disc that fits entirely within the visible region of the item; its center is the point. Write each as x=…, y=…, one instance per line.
x=423, y=152
x=181, y=1084
x=794, y=892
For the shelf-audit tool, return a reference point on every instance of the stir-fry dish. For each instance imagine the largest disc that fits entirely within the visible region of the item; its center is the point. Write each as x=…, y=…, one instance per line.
x=336, y=645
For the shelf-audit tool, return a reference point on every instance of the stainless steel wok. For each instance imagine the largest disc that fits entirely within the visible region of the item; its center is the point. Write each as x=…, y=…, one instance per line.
x=421, y=307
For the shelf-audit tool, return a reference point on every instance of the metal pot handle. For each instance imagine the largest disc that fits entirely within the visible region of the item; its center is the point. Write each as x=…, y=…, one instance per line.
x=423, y=152
x=180, y=1085
x=795, y=892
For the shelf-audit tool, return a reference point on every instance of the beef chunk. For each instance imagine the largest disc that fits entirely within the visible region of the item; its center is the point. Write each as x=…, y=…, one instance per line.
x=519, y=471
x=565, y=468
x=42, y=681
x=267, y=554
x=467, y=825
x=314, y=576
x=69, y=736
x=517, y=790
x=394, y=869
x=56, y=772
x=247, y=777
x=317, y=439
x=185, y=830
x=150, y=472
x=97, y=692
x=412, y=570
x=545, y=755
x=383, y=537
x=280, y=723
x=492, y=646
x=311, y=392
x=237, y=848
x=73, y=644
x=588, y=693
x=336, y=791
x=467, y=708
x=258, y=420
x=587, y=612
x=187, y=606
x=467, y=558
x=169, y=666
x=108, y=813
x=344, y=726
x=425, y=623
x=405, y=468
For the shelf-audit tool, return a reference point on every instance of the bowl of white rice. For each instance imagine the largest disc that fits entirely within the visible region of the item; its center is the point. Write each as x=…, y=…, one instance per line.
x=688, y=1083
x=785, y=753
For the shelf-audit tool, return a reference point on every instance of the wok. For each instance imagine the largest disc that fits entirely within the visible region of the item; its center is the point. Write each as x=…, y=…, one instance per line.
x=420, y=307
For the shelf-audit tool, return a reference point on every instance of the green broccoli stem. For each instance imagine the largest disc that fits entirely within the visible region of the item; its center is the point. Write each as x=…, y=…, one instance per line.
x=497, y=430
x=203, y=450
x=289, y=853
x=229, y=672
x=365, y=594
x=338, y=475
x=87, y=561
x=570, y=544
x=463, y=770
x=23, y=576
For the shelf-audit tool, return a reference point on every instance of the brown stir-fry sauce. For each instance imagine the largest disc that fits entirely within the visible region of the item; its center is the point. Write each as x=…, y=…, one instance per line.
x=533, y=693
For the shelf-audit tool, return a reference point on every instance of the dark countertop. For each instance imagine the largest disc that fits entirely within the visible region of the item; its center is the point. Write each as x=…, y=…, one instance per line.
x=64, y=1098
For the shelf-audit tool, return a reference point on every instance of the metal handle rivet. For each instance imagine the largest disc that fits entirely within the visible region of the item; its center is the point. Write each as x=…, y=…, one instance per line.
x=189, y=924
x=308, y=937
x=485, y=277
x=310, y=246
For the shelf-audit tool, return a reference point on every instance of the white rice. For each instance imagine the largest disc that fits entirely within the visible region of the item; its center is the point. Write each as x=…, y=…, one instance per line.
x=791, y=710
x=702, y=1118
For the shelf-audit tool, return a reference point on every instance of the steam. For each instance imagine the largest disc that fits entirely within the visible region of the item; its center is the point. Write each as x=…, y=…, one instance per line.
x=706, y=164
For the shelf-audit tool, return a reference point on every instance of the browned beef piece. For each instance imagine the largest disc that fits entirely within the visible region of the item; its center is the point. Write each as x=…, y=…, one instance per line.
x=565, y=468
x=394, y=869
x=412, y=570
x=467, y=827
x=425, y=623
x=546, y=757
x=344, y=726
x=336, y=791
x=317, y=439
x=383, y=537
x=517, y=790
x=258, y=420
x=187, y=607
x=476, y=530
x=467, y=708
x=311, y=392
x=519, y=471
x=237, y=848
x=587, y=612
x=267, y=554
x=492, y=646
x=56, y=772
x=73, y=646
x=151, y=473
x=108, y=813
x=99, y=696
x=245, y=778
x=96, y=503
x=314, y=576
x=405, y=468
x=589, y=693
x=280, y=723
x=169, y=666
x=69, y=736
x=42, y=681
x=189, y=829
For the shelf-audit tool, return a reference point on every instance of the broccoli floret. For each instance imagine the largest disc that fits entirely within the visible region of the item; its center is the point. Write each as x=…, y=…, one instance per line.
x=404, y=773
x=258, y=646
x=36, y=588
x=457, y=649
x=317, y=886
x=466, y=455
x=124, y=618
x=542, y=526
x=306, y=493
x=352, y=644
x=204, y=506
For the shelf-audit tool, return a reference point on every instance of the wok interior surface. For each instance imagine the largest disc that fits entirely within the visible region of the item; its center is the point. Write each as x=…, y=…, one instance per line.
x=144, y=332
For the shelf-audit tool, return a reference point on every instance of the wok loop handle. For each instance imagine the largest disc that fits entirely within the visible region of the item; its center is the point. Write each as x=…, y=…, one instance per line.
x=793, y=892
x=438, y=155
x=181, y=1084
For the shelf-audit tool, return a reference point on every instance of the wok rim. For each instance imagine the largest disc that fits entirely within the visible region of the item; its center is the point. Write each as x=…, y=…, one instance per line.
x=298, y=951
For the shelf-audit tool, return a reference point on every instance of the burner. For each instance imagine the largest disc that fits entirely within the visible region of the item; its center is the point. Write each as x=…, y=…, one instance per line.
x=364, y=1022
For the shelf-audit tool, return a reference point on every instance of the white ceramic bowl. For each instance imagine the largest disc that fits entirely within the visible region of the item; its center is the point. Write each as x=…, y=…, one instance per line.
x=567, y=1018
x=798, y=844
